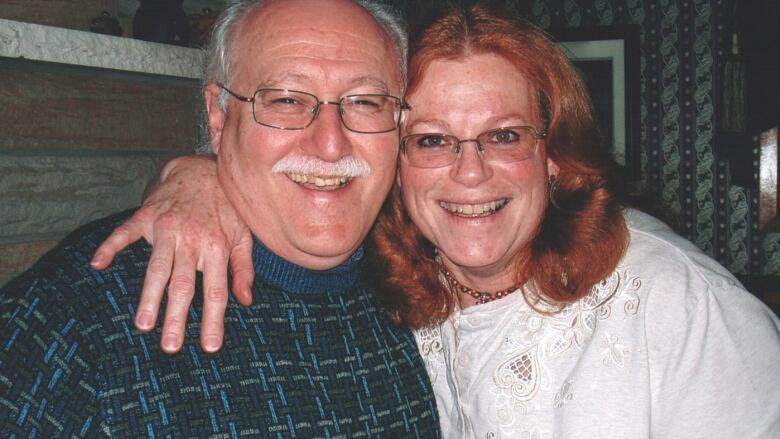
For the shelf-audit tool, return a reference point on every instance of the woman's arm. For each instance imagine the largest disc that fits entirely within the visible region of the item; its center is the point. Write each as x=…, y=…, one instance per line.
x=193, y=227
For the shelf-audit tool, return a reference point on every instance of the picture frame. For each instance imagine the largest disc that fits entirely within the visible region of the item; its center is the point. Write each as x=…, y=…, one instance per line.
x=607, y=58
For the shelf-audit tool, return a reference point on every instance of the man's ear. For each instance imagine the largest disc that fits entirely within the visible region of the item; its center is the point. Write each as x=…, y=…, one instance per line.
x=215, y=115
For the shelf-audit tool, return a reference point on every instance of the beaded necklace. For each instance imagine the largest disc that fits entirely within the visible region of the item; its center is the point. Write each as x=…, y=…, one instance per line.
x=480, y=296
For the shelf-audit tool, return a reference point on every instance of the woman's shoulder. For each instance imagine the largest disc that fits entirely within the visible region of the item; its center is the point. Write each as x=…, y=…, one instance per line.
x=704, y=333
x=680, y=283
x=662, y=255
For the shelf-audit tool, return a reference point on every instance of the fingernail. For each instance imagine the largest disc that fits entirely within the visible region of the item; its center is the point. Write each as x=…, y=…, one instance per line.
x=170, y=343
x=143, y=320
x=97, y=258
x=211, y=343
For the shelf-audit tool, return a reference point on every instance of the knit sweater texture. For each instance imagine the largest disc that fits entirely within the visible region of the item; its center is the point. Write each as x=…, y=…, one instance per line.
x=314, y=356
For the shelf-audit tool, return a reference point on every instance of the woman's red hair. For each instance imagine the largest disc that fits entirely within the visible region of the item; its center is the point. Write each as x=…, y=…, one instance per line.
x=582, y=235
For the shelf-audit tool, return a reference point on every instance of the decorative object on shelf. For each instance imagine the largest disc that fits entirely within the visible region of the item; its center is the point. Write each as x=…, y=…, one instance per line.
x=200, y=27
x=161, y=21
x=733, y=117
x=768, y=212
x=106, y=24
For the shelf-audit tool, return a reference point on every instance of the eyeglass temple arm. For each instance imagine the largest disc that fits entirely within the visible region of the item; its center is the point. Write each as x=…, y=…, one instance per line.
x=234, y=94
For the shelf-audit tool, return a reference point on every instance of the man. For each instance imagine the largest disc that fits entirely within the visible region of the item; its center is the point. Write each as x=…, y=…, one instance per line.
x=307, y=170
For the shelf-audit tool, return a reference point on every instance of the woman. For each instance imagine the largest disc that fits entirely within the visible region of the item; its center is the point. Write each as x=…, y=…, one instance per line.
x=543, y=308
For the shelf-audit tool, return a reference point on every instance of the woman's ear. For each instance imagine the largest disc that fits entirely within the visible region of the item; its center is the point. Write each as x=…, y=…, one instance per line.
x=552, y=167
x=215, y=115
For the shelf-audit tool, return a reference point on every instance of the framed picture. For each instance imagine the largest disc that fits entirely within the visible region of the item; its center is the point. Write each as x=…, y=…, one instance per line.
x=608, y=61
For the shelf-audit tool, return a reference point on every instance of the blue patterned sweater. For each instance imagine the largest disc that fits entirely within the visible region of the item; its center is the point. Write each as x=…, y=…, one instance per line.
x=314, y=356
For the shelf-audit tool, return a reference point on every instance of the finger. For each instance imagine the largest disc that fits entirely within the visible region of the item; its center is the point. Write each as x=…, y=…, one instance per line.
x=215, y=298
x=158, y=271
x=180, y=292
x=243, y=270
x=121, y=237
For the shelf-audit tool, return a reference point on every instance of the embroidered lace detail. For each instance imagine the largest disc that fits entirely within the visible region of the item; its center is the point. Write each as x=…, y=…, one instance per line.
x=614, y=352
x=540, y=338
x=564, y=395
x=518, y=375
x=430, y=346
x=575, y=323
x=536, y=433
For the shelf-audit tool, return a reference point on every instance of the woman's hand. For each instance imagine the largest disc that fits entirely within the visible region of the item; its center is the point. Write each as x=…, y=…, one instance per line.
x=192, y=226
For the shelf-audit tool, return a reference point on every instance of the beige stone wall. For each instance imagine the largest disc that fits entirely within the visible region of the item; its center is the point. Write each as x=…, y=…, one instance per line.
x=78, y=143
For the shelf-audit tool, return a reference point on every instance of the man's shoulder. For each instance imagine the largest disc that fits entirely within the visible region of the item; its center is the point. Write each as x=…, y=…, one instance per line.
x=88, y=237
x=66, y=267
x=58, y=321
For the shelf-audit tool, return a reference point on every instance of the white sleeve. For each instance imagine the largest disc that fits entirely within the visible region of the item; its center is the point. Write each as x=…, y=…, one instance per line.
x=714, y=354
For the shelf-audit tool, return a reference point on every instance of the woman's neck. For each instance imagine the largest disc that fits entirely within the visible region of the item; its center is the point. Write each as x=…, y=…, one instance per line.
x=496, y=282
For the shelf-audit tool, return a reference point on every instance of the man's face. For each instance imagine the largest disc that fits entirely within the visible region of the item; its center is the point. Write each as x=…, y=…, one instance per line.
x=330, y=49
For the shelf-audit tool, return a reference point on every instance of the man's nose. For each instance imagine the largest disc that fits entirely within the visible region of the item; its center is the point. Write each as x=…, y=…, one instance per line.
x=327, y=134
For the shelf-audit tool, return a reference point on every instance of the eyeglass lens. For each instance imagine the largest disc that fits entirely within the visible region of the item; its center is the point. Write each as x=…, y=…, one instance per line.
x=288, y=109
x=433, y=150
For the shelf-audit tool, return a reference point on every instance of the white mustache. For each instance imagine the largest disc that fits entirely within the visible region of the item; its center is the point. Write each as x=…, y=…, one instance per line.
x=348, y=166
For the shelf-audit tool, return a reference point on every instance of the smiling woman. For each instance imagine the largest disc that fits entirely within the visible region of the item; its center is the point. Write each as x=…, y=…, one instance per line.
x=466, y=82
x=471, y=97
x=544, y=307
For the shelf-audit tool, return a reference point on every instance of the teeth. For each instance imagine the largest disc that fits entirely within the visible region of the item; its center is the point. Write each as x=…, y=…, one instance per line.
x=474, y=210
x=318, y=181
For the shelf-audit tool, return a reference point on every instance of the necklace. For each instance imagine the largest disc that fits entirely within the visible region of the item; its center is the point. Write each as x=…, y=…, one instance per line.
x=480, y=296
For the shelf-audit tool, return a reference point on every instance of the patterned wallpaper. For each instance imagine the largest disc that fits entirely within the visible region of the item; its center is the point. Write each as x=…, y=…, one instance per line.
x=681, y=44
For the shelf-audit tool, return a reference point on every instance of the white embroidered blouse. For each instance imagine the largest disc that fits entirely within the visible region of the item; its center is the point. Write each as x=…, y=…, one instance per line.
x=668, y=346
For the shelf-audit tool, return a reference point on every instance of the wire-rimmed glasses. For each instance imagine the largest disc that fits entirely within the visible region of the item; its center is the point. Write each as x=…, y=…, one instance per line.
x=295, y=110
x=505, y=144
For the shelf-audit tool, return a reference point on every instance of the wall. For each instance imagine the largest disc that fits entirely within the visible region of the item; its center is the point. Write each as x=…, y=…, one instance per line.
x=87, y=121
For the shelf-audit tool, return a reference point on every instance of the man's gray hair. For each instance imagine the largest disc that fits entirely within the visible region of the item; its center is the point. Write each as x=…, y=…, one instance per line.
x=219, y=62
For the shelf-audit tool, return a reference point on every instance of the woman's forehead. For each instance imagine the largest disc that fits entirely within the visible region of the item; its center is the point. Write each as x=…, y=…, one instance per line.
x=479, y=86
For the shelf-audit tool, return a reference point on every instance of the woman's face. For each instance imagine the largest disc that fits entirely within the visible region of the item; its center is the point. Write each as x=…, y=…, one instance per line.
x=464, y=98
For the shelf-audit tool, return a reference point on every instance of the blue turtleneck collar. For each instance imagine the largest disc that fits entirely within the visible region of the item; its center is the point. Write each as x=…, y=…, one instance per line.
x=296, y=279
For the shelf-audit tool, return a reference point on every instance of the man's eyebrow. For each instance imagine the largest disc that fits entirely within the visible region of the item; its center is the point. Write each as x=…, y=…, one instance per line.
x=305, y=80
x=372, y=81
x=276, y=81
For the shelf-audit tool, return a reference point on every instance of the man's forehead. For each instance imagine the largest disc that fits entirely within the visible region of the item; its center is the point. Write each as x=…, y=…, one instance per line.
x=318, y=16
x=284, y=78
x=277, y=45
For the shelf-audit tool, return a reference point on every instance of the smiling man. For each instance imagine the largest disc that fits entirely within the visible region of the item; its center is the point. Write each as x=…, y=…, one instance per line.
x=303, y=112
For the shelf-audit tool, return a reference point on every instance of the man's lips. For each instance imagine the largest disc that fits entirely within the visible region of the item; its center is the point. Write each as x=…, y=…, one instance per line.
x=324, y=182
